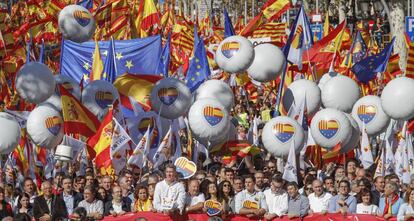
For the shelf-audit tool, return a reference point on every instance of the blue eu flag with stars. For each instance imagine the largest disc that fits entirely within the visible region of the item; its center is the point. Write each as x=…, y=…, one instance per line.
x=136, y=56
x=165, y=58
x=228, y=26
x=109, y=69
x=366, y=69
x=198, y=70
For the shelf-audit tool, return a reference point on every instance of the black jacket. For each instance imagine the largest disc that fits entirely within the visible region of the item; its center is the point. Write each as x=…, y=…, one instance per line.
x=40, y=208
x=126, y=206
x=77, y=198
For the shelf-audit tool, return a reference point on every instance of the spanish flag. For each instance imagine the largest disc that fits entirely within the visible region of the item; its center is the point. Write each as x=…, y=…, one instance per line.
x=77, y=118
x=273, y=9
x=148, y=20
x=138, y=87
x=97, y=65
x=101, y=144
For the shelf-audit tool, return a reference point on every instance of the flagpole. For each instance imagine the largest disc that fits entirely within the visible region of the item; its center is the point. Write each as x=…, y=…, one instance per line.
x=280, y=89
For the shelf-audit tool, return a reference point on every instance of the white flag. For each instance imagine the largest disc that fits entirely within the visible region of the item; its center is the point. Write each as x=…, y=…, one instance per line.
x=366, y=154
x=255, y=132
x=50, y=164
x=380, y=170
x=165, y=143
x=410, y=150
x=178, y=151
x=142, y=149
x=120, y=139
x=401, y=161
x=289, y=172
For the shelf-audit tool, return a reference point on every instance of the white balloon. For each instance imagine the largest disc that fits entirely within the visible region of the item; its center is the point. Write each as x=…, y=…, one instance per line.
x=35, y=82
x=171, y=98
x=208, y=120
x=340, y=93
x=216, y=89
x=355, y=136
x=397, y=98
x=330, y=127
x=9, y=133
x=369, y=110
x=295, y=94
x=267, y=63
x=98, y=95
x=76, y=23
x=325, y=78
x=45, y=126
x=234, y=54
x=279, y=133
x=69, y=84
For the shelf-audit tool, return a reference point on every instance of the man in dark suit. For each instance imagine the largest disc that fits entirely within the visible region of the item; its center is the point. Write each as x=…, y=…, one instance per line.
x=48, y=207
x=70, y=198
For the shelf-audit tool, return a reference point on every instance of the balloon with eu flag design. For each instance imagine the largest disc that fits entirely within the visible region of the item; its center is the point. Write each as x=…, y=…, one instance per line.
x=209, y=121
x=98, y=95
x=35, y=82
x=369, y=110
x=45, y=126
x=9, y=133
x=330, y=127
x=397, y=98
x=279, y=133
x=340, y=93
x=267, y=64
x=69, y=84
x=171, y=98
x=216, y=89
x=76, y=23
x=234, y=54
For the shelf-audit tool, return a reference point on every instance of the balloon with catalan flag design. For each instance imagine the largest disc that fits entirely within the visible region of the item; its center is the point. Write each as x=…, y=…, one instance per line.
x=369, y=110
x=171, y=98
x=213, y=207
x=185, y=167
x=234, y=54
x=279, y=133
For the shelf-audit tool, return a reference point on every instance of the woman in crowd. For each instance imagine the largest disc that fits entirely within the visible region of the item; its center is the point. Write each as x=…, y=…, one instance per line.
x=102, y=195
x=406, y=211
x=226, y=192
x=366, y=206
x=5, y=208
x=23, y=205
x=142, y=201
x=212, y=194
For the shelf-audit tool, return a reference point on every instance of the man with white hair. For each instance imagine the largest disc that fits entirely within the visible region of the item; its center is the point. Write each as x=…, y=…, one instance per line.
x=319, y=199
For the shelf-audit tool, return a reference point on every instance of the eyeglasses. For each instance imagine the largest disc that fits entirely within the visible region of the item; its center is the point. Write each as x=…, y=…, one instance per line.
x=226, y=185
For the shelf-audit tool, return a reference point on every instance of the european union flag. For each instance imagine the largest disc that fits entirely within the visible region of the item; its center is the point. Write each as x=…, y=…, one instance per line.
x=228, y=26
x=366, y=69
x=165, y=58
x=198, y=70
x=109, y=69
x=42, y=51
x=359, y=48
x=88, y=4
x=136, y=56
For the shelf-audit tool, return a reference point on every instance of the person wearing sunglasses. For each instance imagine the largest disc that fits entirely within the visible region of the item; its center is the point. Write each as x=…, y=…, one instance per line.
x=343, y=202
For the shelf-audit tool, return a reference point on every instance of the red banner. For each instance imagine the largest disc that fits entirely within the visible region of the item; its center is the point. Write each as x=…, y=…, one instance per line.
x=203, y=217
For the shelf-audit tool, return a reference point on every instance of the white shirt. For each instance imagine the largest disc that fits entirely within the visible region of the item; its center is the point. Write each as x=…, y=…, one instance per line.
x=193, y=200
x=404, y=209
x=277, y=203
x=319, y=204
x=363, y=209
x=117, y=207
x=169, y=196
x=245, y=195
x=95, y=207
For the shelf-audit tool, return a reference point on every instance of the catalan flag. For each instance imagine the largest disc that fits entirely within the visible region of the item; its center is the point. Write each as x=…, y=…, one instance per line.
x=410, y=62
x=273, y=9
x=332, y=154
x=148, y=19
x=276, y=31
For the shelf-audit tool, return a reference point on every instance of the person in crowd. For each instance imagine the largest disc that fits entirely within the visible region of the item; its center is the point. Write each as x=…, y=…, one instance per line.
x=226, y=192
x=143, y=203
x=328, y=183
x=194, y=201
x=391, y=201
x=406, y=210
x=351, y=169
x=298, y=204
x=343, y=202
x=212, y=194
x=200, y=175
x=8, y=194
x=319, y=199
x=378, y=191
x=103, y=196
x=229, y=174
x=79, y=214
x=23, y=206
x=366, y=206
x=22, y=217
x=30, y=188
x=107, y=185
x=118, y=206
x=80, y=182
x=125, y=183
x=276, y=199
x=250, y=202
x=69, y=196
x=47, y=206
x=93, y=206
x=238, y=184
x=5, y=207
x=260, y=185
x=57, y=183
x=169, y=195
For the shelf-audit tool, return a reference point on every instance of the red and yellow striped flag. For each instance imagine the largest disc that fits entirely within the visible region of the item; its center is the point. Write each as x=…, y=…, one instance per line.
x=410, y=62
x=148, y=19
x=273, y=9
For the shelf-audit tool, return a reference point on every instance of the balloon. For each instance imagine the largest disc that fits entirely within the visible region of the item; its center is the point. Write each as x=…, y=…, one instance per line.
x=69, y=84
x=325, y=78
x=355, y=136
x=295, y=94
x=340, y=93
x=279, y=133
x=330, y=127
x=267, y=63
x=76, y=23
x=45, y=126
x=397, y=98
x=98, y=95
x=9, y=133
x=171, y=98
x=234, y=54
x=208, y=120
x=369, y=110
x=35, y=82
x=216, y=89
